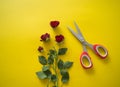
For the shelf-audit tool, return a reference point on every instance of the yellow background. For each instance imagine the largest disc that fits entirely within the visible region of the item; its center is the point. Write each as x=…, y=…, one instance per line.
x=23, y=21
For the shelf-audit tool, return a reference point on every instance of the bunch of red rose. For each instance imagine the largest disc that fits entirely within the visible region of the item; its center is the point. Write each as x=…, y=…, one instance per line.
x=46, y=37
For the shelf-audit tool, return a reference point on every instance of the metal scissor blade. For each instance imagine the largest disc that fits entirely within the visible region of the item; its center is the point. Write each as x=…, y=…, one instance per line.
x=78, y=30
x=76, y=35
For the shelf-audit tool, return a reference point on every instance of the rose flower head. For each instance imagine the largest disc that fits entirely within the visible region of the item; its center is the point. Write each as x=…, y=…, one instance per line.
x=45, y=37
x=40, y=49
x=59, y=38
x=54, y=24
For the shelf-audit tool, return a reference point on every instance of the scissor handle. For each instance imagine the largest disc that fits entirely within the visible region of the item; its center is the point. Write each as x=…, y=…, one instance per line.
x=85, y=55
x=100, y=51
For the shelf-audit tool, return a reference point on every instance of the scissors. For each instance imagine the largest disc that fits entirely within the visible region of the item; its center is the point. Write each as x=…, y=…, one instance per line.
x=97, y=48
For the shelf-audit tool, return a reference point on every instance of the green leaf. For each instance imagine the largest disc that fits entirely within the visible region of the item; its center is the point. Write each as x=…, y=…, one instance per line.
x=62, y=51
x=65, y=76
x=68, y=64
x=53, y=78
x=41, y=75
x=52, y=52
x=42, y=60
x=50, y=59
x=60, y=64
x=48, y=73
x=45, y=68
x=63, y=71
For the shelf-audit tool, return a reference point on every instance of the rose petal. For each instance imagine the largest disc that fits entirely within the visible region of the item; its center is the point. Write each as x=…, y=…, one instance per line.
x=40, y=49
x=59, y=38
x=54, y=24
x=45, y=37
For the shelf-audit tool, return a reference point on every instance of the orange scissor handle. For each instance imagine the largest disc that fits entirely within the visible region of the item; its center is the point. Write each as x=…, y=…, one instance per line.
x=83, y=56
x=100, y=51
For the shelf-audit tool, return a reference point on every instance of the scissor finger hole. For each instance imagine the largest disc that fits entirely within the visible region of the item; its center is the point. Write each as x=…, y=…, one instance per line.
x=102, y=51
x=86, y=62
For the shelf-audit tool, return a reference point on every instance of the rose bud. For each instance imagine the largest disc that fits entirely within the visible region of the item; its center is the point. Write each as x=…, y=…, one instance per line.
x=54, y=24
x=59, y=38
x=45, y=37
x=40, y=49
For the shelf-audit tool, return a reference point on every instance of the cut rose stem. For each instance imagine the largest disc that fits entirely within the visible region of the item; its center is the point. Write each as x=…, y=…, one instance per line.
x=55, y=68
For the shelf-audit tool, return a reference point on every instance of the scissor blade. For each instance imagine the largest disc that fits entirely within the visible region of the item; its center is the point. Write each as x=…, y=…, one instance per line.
x=78, y=29
x=76, y=35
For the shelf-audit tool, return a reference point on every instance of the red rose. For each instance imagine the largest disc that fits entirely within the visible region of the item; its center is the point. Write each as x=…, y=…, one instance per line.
x=59, y=38
x=54, y=24
x=45, y=37
x=40, y=49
